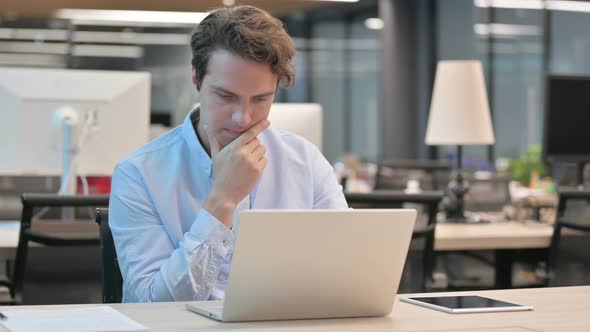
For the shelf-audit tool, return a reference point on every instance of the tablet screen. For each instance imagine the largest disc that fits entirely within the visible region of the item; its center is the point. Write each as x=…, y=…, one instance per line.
x=470, y=303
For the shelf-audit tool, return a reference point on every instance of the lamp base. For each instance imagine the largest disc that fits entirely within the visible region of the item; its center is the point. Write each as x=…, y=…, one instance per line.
x=454, y=203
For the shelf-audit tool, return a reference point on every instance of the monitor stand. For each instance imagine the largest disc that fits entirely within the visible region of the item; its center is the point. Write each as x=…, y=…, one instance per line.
x=67, y=118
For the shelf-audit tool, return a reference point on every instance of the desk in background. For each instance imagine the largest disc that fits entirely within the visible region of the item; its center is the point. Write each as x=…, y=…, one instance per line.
x=505, y=238
x=9, y=231
x=556, y=309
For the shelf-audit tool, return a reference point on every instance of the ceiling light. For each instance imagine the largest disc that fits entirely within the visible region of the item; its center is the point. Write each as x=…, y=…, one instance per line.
x=515, y=4
x=130, y=16
x=374, y=23
x=506, y=29
x=561, y=5
x=572, y=6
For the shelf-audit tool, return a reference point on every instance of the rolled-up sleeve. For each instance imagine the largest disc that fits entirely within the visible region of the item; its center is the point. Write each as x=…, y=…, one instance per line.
x=153, y=267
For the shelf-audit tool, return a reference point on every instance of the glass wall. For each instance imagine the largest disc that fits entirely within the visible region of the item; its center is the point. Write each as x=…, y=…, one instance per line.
x=510, y=42
x=570, y=43
x=517, y=79
x=338, y=66
x=364, y=90
x=328, y=83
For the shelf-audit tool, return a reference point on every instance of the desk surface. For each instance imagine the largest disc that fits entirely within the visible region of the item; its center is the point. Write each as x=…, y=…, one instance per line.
x=509, y=235
x=9, y=231
x=556, y=309
x=500, y=235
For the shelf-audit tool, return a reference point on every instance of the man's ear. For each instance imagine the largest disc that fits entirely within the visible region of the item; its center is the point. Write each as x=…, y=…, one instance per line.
x=195, y=80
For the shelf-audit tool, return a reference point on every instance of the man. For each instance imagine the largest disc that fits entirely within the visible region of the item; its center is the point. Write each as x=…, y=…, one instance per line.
x=174, y=202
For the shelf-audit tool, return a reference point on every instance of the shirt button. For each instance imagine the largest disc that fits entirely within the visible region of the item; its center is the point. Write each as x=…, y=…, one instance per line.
x=208, y=285
x=222, y=277
x=226, y=243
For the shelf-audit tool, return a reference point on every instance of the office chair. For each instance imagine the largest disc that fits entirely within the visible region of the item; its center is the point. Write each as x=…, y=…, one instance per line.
x=112, y=280
x=394, y=174
x=49, y=233
x=564, y=195
x=488, y=194
x=395, y=199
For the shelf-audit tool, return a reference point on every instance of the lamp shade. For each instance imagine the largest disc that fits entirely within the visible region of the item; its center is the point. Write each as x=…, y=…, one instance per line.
x=459, y=110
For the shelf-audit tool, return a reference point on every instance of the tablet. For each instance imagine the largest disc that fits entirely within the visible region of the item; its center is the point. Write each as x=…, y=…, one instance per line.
x=465, y=304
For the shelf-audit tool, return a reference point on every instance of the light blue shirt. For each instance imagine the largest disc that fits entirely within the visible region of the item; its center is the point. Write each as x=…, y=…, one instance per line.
x=169, y=247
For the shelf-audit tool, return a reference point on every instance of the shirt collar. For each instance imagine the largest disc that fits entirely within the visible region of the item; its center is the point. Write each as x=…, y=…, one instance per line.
x=190, y=136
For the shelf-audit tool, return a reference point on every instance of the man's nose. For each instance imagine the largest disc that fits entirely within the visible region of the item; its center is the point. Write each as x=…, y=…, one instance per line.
x=242, y=115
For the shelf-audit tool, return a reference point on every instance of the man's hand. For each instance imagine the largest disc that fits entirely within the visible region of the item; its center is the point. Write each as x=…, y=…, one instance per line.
x=236, y=168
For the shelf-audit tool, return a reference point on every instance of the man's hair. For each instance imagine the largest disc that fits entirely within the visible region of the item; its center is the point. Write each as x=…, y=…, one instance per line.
x=248, y=32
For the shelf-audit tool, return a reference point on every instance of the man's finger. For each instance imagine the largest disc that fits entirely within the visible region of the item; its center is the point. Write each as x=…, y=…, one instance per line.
x=252, y=132
x=252, y=145
x=259, y=152
x=213, y=142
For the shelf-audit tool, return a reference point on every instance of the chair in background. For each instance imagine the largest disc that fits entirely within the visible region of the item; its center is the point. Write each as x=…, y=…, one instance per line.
x=393, y=175
x=485, y=201
x=112, y=280
x=488, y=194
x=422, y=233
x=561, y=224
x=50, y=233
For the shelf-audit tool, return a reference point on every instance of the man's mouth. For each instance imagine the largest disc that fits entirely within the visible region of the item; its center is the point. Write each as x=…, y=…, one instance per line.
x=233, y=133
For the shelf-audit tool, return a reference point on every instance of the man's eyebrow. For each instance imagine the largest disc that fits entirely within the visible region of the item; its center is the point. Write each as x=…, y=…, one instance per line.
x=266, y=94
x=220, y=89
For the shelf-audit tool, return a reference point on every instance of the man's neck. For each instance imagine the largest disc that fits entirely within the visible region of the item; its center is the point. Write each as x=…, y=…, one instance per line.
x=201, y=135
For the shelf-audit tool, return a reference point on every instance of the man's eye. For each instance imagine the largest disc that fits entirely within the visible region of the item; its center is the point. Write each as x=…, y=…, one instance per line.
x=226, y=97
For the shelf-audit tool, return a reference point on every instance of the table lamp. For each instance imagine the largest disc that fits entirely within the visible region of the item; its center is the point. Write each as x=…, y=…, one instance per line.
x=459, y=115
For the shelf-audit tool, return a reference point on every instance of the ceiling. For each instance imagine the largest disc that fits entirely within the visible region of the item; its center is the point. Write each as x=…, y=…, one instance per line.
x=45, y=8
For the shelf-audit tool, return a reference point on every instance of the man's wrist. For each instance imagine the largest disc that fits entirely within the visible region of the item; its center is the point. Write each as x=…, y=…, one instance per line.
x=219, y=206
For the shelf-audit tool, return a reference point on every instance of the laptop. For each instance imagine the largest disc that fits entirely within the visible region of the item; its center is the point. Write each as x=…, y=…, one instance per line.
x=309, y=264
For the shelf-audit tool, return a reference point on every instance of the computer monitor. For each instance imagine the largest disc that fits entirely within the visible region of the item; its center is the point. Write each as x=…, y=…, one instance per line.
x=113, y=108
x=567, y=115
x=303, y=119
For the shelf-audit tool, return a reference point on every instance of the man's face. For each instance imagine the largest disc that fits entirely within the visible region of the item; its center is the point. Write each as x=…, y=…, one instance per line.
x=235, y=94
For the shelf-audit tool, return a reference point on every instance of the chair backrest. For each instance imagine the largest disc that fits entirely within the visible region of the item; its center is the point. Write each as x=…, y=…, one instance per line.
x=488, y=194
x=564, y=195
x=54, y=233
x=394, y=174
x=395, y=199
x=112, y=280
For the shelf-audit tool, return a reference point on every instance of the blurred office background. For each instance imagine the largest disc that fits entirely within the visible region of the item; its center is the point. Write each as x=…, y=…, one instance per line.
x=346, y=50
x=369, y=63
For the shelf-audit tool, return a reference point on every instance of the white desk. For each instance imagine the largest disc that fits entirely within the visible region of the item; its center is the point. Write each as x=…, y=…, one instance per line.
x=448, y=237
x=9, y=231
x=556, y=309
x=501, y=235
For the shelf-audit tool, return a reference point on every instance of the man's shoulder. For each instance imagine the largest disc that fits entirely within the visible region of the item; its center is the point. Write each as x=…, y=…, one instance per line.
x=286, y=140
